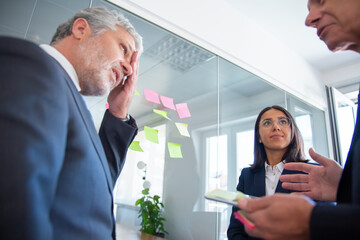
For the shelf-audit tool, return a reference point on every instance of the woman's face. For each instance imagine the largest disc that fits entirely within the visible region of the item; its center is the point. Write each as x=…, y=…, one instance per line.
x=275, y=130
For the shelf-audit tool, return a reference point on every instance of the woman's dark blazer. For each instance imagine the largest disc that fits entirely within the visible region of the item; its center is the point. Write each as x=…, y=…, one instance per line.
x=251, y=182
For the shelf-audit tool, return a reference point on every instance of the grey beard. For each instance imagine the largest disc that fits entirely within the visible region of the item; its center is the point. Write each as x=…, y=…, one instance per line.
x=92, y=84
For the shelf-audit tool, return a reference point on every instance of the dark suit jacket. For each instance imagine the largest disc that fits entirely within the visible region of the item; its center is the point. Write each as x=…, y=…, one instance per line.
x=342, y=221
x=251, y=182
x=56, y=180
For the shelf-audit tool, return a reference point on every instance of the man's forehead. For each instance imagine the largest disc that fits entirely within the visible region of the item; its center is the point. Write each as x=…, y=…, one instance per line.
x=127, y=37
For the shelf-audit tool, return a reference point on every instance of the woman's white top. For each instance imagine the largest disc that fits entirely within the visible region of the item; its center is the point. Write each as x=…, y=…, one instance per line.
x=272, y=176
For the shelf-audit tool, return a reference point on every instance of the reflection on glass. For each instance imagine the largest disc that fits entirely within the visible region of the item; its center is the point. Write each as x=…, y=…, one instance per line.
x=344, y=118
x=346, y=125
x=244, y=149
x=311, y=123
x=224, y=101
x=216, y=148
x=130, y=183
x=304, y=124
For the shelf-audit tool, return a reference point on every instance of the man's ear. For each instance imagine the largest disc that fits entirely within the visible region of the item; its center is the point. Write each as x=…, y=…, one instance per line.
x=81, y=29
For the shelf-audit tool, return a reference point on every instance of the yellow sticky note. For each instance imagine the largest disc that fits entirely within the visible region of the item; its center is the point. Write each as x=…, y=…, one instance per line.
x=227, y=195
x=182, y=127
x=135, y=146
x=161, y=113
x=151, y=134
x=136, y=93
x=174, y=150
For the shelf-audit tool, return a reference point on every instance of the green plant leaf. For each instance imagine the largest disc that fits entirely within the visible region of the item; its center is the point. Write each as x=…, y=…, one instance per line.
x=145, y=191
x=150, y=213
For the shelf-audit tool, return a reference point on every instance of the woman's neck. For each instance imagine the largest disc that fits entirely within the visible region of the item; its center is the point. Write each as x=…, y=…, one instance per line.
x=274, y=156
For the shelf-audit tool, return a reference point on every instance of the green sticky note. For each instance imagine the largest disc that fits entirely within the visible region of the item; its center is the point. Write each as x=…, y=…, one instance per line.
x=174, y=150
x=182, y=127
x=135, y=146
x=136, y=93
x=226, y=195
x=161, y=113
x=151, y=134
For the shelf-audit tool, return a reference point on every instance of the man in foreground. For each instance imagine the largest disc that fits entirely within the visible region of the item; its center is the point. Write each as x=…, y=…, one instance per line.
x=297, y=217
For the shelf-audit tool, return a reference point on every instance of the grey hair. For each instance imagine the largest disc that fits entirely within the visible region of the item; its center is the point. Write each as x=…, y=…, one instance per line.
x=100, y=20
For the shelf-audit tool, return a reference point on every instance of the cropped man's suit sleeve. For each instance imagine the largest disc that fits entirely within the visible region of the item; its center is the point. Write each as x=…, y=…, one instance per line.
x=342, y=221
x=31, y=148
x=116, y=137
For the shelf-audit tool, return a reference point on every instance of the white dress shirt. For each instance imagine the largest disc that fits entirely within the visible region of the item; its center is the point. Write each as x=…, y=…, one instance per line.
x=272, y=176
x=63, y=62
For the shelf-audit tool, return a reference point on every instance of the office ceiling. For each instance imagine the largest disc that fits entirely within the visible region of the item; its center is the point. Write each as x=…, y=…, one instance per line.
x=285, y=20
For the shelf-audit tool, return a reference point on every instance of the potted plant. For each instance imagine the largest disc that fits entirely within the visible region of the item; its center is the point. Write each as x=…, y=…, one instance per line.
x=151, y=214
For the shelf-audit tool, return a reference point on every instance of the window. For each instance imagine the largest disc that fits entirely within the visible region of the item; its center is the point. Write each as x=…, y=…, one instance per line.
x=346, y=125
x=217, y=175
x=130, y=183
x=304, y=124
x=244, y=150
x=216, y=158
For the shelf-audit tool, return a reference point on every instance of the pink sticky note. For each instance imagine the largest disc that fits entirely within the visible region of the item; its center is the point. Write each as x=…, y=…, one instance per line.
x=239, y=215
x=167, y=102
x=151, y=96
x=183, y=110
x=107, y=106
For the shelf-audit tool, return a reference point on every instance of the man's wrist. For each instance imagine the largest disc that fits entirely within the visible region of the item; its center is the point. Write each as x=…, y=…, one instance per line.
x=127, y=119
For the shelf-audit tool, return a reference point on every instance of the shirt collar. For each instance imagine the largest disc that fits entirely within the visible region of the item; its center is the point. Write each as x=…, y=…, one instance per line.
x=279, y=166
x=63, y=62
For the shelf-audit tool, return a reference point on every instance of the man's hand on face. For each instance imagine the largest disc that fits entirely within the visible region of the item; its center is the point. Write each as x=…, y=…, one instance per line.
x=120, y=97
x=280, y=216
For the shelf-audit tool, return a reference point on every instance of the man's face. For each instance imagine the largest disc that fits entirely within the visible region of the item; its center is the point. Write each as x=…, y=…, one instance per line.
x=337, y=22
x=104, y=61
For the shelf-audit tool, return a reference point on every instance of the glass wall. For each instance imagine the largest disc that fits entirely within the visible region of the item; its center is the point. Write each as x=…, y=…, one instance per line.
x=184, y=154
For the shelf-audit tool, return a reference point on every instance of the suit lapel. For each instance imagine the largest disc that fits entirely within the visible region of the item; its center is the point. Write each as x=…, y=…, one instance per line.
x=87, y=118
x=259, y=183
x=279, y=188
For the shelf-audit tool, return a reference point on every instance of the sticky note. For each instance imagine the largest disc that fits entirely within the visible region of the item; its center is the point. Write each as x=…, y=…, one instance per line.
x=107, y=106
x=151, y=134
x=182, y=127
x=239, y=215
x=226, y=195
x=167, y=102
x=161, y=113
x=174, y=150
x=136, y=93
x=183, y=110
x=151, y=96
x=135, y=146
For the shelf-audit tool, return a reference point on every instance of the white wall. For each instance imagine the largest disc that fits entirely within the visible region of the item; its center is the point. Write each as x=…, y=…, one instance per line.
x=217, y=27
